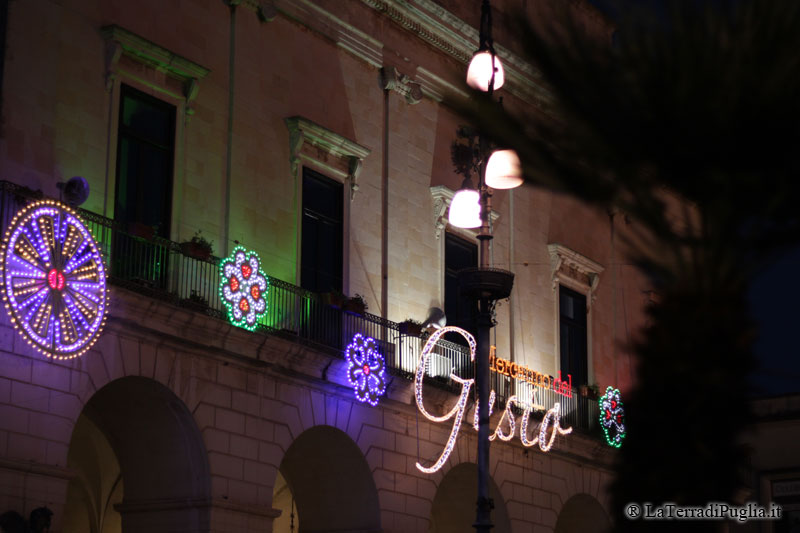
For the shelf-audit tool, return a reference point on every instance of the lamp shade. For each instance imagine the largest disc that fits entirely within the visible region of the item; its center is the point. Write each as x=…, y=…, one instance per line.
x=465, y=209
x=479, y=73
x=503, y=170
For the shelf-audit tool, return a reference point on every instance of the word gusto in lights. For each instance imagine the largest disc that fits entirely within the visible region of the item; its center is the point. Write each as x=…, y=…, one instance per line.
x=552, y=417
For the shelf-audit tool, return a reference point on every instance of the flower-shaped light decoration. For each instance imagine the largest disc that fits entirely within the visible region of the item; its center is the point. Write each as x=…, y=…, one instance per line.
x=54, y=280
x=243, y=288
x=365, y=369
x=612, y=417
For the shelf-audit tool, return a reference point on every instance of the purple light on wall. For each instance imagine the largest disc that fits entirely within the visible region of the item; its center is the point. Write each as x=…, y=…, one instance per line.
x=53, y=280
x=365, y=369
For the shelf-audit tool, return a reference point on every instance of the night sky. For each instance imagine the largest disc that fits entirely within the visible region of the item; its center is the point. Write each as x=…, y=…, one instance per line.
x=775, y=306
x=774, y=295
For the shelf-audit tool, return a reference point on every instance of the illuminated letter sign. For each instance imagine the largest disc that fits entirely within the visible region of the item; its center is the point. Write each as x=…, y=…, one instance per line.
x=524, y=373
x=552, y=417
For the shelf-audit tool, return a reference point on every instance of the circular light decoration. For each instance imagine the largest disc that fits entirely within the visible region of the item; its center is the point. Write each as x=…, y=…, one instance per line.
x=243, y=288
x=54, y=280
x=365, y=369
x=612, y=417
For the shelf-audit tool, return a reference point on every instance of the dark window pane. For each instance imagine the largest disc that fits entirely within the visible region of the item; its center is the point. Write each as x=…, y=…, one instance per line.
x=321, y=247
x=572, y=335
x=145, y=154
x=461, y=311
x=143, y=197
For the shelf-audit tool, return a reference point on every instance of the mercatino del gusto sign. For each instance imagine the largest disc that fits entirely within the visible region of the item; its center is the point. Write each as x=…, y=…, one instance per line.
x=551, y=418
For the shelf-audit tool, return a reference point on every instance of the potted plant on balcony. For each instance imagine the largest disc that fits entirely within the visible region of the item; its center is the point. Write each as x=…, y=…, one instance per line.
x=198, y=247
x=590, y=391
x=356, y=304
x=411, y=327
x=141, y=230
x=333, y=298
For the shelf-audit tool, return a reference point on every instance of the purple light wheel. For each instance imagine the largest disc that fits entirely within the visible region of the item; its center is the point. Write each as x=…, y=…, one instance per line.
x=54, y=280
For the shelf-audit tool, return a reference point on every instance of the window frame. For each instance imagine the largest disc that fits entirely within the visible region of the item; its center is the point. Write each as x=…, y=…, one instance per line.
x=582, y=275
x=343, y=222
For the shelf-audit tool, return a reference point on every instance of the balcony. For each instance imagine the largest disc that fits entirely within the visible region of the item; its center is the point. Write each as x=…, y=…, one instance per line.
x=159, y=268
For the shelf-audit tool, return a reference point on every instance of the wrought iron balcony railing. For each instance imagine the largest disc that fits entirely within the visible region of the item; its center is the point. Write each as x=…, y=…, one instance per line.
x=159, y=268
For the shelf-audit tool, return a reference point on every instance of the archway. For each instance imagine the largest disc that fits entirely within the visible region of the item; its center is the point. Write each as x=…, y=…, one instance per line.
x=140, y=463
x=582, y=514
x=453, y=508
x=330, y=483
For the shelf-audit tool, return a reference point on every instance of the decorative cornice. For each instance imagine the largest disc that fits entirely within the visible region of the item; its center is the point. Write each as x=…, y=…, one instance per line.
x=302, y=130
x=315, y=18
x=120, y=41
x=154, y=55
x=437, y=26
x=567, y=264
x=435, y=87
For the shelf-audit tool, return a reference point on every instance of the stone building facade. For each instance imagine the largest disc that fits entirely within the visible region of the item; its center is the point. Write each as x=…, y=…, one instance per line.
x=175, y=419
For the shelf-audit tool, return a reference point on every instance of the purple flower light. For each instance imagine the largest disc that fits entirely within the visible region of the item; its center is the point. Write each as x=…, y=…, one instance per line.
x=365, y=369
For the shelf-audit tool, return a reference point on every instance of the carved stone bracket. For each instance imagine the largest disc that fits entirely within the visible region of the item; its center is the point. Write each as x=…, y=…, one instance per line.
x=304, y=132
x=576, y=269
x=391, y=79
x=120, y=41
x=442, y=196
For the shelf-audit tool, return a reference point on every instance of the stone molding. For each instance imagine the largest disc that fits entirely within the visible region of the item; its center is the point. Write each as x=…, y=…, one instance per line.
x=38, y=469
x=303, y=131
x=575, y=268
x=120, y=41
x=427, y=21
x=318, y=19
x=440, y=28
x=392, y=80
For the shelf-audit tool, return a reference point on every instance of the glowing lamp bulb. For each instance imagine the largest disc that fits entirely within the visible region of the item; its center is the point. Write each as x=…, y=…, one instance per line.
x=465, y=209
x=479, y=73
x=504, y=170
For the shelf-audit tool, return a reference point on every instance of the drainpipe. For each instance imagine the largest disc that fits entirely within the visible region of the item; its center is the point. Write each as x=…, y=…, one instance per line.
x=385, y=209
x=229, y=152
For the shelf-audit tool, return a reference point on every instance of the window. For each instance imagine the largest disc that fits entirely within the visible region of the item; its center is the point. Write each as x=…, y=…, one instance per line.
x=460, y=310
x=145, y=150
x=573, y=338
x=143, y=197
x=321, y=268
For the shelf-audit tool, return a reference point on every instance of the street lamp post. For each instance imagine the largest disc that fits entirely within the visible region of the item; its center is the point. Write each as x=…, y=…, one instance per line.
x=484, y=283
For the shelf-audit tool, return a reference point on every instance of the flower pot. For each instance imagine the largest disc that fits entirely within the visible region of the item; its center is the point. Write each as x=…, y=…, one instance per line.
x=143, y=231
x=192, y=249
x=355, y=306
x=332, y=299
x=409, y=328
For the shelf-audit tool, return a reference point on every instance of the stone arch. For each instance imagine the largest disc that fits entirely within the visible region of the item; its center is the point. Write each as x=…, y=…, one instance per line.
x=453, y=509
x=582, y=513
x=330, y=482
x=143, y=429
